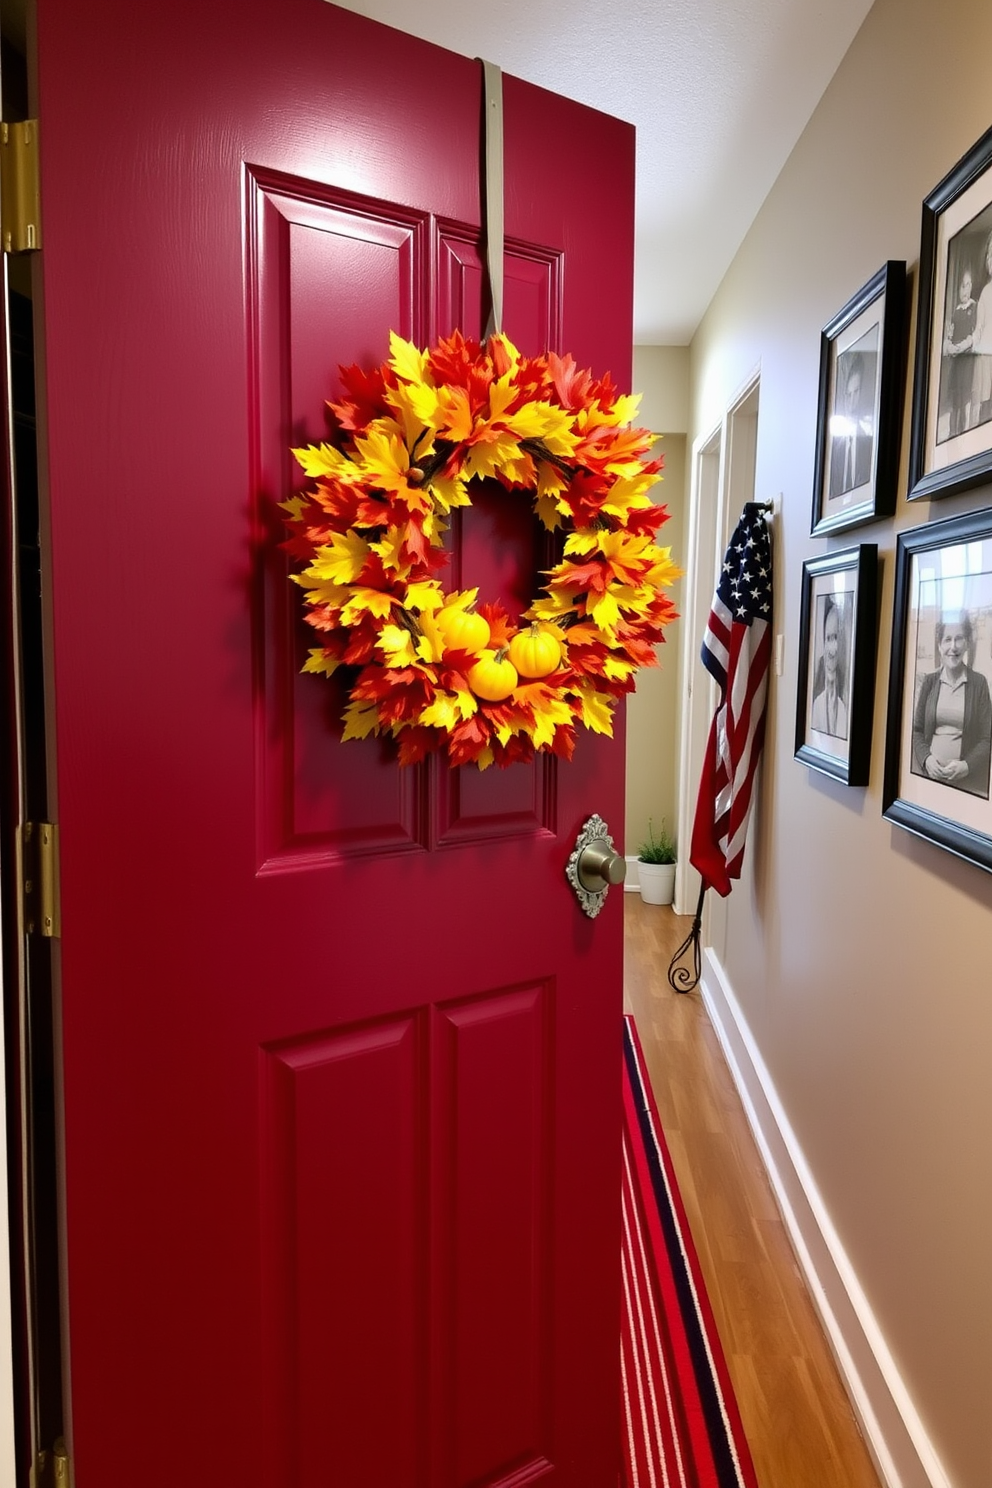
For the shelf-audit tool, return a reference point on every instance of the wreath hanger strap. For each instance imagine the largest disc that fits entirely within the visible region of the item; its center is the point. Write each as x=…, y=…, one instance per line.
x=493, y=225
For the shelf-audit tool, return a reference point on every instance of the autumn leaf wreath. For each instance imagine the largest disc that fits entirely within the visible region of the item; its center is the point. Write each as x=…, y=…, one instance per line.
x=432, y=668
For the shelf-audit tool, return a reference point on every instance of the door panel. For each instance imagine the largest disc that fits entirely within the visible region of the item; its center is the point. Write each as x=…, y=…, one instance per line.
x=494, y=1054
x=329, y=277
x=341, y=1068
x=324, y=1221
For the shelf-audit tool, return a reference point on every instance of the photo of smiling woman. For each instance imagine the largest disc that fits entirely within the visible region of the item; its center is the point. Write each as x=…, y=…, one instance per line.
x=828, y=714
x=952, y=719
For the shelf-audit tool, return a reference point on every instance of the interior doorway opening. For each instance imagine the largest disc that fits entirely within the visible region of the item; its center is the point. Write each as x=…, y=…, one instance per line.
x=722, y=480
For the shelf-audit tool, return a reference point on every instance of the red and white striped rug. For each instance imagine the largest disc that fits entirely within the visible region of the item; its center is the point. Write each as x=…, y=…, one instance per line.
x=682, y=1428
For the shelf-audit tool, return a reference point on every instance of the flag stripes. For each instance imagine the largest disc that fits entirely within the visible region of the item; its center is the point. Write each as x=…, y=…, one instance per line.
x=736, y=651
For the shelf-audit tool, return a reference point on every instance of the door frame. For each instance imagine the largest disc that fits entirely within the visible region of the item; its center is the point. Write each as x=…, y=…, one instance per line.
x=722, y=479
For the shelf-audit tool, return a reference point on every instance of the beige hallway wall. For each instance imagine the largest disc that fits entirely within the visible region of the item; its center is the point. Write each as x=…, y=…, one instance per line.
x=661, y=376
x=859, y=955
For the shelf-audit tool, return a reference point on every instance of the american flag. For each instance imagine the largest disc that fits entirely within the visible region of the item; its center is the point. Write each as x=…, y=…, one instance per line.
x=736, y=651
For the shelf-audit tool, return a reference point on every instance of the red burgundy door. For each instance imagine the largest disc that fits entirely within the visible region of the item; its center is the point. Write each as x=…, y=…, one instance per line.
x=340, y=1051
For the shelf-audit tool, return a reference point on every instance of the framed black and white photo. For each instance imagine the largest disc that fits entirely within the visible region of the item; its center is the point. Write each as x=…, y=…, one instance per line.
x=951, y=437
x=860, y=404
x=938, y=741
x=838, y=631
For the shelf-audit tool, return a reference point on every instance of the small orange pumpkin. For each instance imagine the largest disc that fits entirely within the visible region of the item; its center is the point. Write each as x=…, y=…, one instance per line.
x=536, y=651
x=493, y=677
x=463, y=630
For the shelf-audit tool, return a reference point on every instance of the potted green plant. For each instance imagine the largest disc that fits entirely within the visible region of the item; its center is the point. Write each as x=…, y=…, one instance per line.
x=656, y=866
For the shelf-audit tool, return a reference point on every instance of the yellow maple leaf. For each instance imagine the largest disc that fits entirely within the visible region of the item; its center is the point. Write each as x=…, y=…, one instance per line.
x=425, y=594
x=548, y=512
x=390, y=550
x=324, y=459
x=596, y=711
x=603, y=608
x=454, y=414
x=430, y=644
x=583, y=540
x=629, y=493
x=404, y=358
x=416, y=405
x=321, y=664
x=341, y=560
x=499, y=453
x=550, y=481
x=559, y=602
x=501, y=394
x=632, y=598
x=553, y=426
x=441, y=713
x=450, y=491
x=360, y=719
x=296, y=506
x=332, y=595
x=465, y=700
x=548, y=710
x=663, y=571
x=385, y=460
x=367, y=602
x=624, y=410
x=617, y=669
x=461, y=599
x=397, y=646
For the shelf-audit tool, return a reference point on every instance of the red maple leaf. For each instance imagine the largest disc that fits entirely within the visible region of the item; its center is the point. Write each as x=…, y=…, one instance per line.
x=468, y=740
x=591, y=575
x=416, y=743
x=364, y=398
x=501, y=627
x=572, y=385
x=361, y=643
x=563, y=743
x=518, y=749
x=645, y=520
x=587, y=490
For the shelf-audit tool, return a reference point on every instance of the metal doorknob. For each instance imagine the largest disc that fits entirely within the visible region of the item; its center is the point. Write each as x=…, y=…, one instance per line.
x=599, y=866
x=594, y=865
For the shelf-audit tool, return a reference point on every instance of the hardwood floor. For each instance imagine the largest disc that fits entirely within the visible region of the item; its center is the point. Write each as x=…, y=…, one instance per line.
x=799, y=1423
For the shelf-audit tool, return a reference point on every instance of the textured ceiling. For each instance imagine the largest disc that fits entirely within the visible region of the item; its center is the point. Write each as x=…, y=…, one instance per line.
x=719, y=90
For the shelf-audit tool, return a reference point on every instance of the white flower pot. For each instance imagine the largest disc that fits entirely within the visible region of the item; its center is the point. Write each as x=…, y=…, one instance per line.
x=657, y=882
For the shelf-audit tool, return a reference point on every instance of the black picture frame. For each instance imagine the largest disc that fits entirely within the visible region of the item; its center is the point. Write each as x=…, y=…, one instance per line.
x=838, y=632
x=951, y=430
x=859, y=408
x=942, y=614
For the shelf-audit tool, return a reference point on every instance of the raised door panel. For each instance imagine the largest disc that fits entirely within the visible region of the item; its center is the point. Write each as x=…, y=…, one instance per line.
x=344, y=1228
x=329, y=276
x=494, y=1102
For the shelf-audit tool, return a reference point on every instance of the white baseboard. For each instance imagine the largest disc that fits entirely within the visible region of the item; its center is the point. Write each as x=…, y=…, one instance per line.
x=632, y=883
x=903, y=1453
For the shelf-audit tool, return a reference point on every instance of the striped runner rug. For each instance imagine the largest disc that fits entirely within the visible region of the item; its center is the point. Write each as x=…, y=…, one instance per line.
x=681, y=1424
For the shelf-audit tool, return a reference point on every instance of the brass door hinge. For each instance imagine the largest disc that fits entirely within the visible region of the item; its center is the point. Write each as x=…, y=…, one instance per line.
x=40, y=878
x=20, y=222
x=52, y=1469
